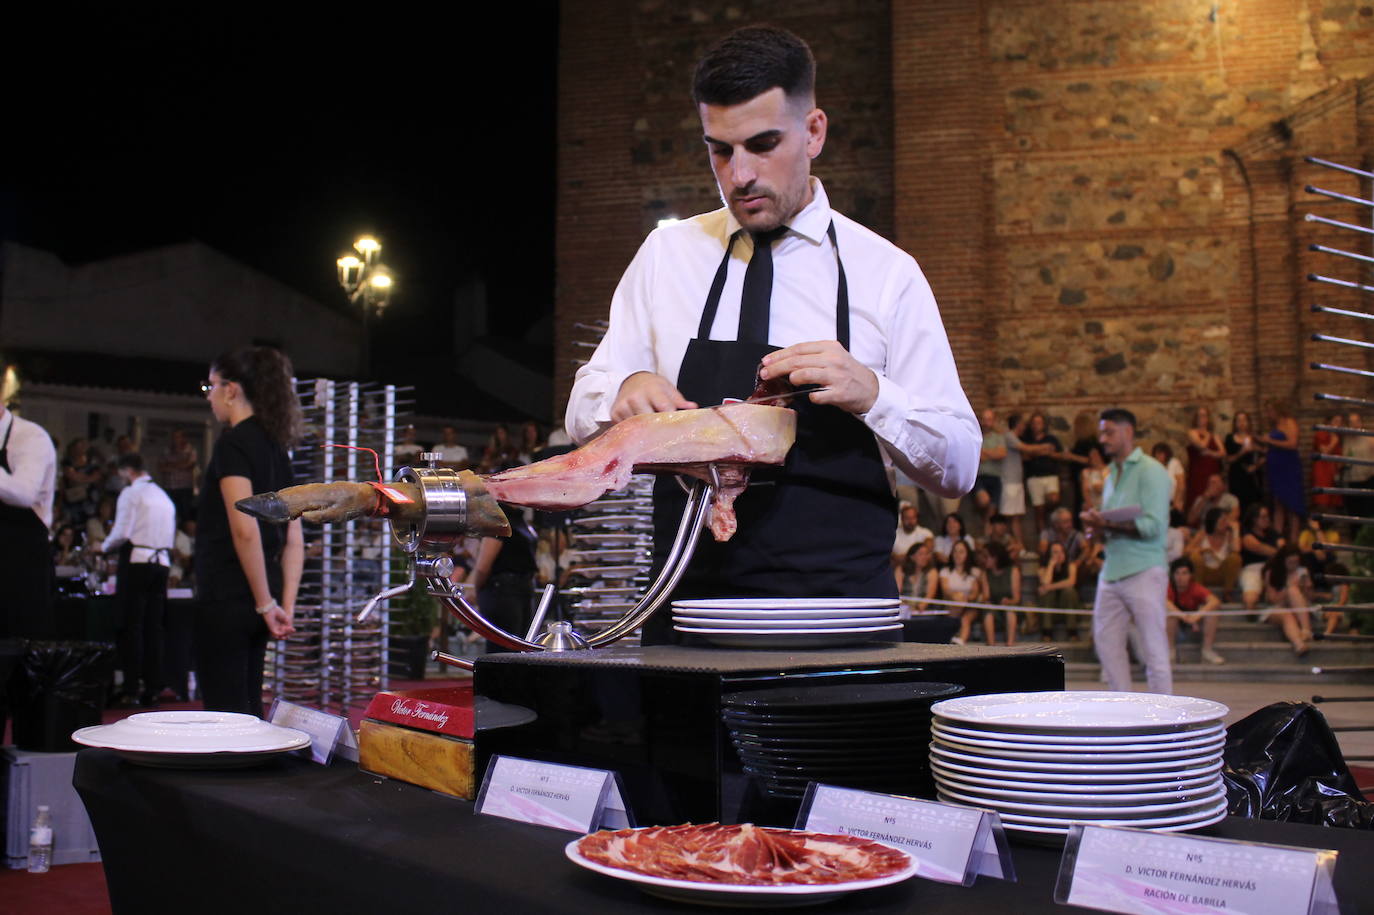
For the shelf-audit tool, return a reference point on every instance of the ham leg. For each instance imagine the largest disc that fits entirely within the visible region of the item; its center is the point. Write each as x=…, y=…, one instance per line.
x=731, y=438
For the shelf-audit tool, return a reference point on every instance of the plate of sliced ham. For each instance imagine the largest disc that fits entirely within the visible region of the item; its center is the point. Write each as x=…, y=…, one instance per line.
x=741, y=865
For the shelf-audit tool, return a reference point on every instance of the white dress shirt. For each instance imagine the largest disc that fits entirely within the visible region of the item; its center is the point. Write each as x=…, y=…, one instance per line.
x=31, y=480
x=145, y=517
x=921, y=417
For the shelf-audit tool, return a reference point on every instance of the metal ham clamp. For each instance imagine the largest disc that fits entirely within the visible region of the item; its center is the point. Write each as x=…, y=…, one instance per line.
x=431, y=508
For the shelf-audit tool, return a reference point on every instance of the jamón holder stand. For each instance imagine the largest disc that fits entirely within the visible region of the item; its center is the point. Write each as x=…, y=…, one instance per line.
x=429, y=544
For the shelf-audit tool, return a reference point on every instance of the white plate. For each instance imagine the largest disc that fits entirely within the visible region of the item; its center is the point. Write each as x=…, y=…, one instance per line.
x=1128, y=777
x=1031, y=789
x=737, y=895
x=1111, y=811
x=1207, y=820
x=1153, y=768
x=782, y=623
x=1183, y=819
x=1081, y=711
x=818, y=613
x=1213, y=746
x=193, y=738
x=1089, y=742
x=789, y=603
x=778, y=638
x=1089, y=799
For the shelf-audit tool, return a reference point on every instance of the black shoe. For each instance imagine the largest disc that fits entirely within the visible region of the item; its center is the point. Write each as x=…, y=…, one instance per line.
x=148, y=700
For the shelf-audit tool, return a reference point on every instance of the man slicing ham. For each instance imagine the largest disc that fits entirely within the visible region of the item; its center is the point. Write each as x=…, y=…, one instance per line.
x=777, y=278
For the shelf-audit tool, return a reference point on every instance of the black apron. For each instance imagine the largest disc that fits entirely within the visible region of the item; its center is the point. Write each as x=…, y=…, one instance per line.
x=25, y=566
x=822, y=526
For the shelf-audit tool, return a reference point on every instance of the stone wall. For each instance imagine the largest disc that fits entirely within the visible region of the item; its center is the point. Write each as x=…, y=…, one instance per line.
x=1092, y=154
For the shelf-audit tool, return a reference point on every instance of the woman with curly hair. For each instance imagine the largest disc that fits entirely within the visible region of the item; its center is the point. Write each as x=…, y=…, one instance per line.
x=247, y=572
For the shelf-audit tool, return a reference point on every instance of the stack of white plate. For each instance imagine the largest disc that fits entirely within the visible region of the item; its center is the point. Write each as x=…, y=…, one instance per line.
x=1045, y=761
x=776, y=622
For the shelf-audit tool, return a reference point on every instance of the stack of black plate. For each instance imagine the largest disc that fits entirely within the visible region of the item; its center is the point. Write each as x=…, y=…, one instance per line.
x=873, y=736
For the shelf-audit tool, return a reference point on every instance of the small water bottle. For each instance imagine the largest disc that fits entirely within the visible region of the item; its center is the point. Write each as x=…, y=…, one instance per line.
x=40, y=842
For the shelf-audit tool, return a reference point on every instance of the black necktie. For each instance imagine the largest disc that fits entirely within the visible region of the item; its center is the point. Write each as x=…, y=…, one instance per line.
x=758, y=288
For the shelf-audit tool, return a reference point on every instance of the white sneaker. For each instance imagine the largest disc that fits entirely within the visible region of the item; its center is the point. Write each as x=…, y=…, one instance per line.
x=1211, y=657
x=955, y=640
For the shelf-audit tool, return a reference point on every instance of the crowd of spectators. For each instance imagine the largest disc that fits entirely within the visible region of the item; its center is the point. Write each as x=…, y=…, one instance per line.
x=1241, y=530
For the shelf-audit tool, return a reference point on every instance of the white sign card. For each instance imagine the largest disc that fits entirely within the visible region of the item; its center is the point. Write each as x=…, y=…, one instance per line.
x=548, y=794
x=329, y=734
x=952, y=844
x=1159, y=873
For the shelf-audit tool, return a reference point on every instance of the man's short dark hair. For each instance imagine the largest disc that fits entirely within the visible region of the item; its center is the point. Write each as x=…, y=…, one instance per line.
x=750, y=61
x=1182, y=562
x=131, y=461
x=1118, y=415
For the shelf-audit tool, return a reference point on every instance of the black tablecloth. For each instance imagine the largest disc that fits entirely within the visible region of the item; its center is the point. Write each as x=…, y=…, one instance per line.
x=292, y=836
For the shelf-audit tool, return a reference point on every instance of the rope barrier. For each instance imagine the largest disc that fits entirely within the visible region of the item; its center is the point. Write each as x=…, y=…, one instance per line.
x=968, y=605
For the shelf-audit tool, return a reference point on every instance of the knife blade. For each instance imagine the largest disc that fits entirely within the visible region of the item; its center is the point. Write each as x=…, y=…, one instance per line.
x=764, y=398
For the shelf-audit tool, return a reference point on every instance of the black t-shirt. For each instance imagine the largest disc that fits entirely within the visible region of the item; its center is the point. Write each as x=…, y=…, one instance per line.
x=517, y=553
x=1042, y=466
x=242, y=451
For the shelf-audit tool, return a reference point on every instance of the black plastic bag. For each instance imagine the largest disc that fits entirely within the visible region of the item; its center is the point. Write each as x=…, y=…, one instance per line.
x=1283, y=763
x=57, y=688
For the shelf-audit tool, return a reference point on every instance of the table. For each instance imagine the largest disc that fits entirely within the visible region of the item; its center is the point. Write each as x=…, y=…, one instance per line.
x=292, y=836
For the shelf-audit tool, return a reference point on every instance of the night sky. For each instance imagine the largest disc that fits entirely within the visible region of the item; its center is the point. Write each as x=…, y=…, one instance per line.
x=280, y=143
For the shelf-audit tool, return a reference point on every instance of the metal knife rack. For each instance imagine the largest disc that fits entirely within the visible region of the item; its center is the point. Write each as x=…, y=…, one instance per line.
x=1354, y=292
x=334, y=662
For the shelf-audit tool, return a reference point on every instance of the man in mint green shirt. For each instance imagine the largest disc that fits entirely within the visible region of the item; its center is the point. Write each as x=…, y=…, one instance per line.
x=1134, y=580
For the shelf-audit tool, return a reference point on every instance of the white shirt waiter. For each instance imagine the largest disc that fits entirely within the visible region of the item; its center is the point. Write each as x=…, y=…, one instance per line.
x=146, y=518
x=921, y=417
x=29, y=473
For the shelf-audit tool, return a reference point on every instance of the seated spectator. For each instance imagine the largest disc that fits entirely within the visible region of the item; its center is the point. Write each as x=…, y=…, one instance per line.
x=1214, y=495
x=408, y=450
x=1338, y=596
x=531, y=442
x=1215, y=552
x=1288, y=589
x=953, y=533
x=1258, y=544
x=1000, y=532
x=918, y=578
x=962, y=580
x=499, y=452
x=1177, y=536
x=1061, y=530
x=1003, y=578
x=1190, y=604
x=1314, y=558
x=909, y=533
x=176, y=470
x=451, y=453
x=98, y=525
x=1058, y=591
x=66, y=547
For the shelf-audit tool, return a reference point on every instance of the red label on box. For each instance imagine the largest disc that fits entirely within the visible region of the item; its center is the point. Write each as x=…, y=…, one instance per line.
x=441, y=710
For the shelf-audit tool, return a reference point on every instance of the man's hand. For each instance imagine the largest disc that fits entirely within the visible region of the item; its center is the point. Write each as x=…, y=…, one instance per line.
x=647, y=392
x=1093, y=522
x=850, y=385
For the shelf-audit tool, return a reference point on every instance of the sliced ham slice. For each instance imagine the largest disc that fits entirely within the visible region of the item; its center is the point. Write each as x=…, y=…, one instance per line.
x=742, y=854
x=732, y=438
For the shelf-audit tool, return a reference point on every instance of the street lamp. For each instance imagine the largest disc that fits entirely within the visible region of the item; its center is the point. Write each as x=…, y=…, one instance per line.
x=367, y=282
